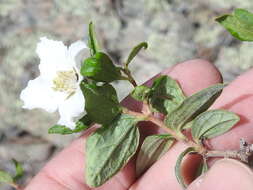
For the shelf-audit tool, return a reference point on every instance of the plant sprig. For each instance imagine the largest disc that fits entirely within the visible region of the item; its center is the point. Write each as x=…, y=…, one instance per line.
x=111, y=146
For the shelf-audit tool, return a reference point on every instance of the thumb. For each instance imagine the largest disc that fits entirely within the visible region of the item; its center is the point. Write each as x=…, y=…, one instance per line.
x=225, y=174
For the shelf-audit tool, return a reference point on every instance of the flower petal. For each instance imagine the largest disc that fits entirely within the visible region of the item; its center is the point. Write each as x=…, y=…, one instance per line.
x=39, y=94
x=77, y=52
x=72, y=109
x=76, y=48
x=53, y=57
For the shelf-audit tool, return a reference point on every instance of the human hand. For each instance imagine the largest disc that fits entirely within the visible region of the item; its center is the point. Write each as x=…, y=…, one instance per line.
x=66, y=170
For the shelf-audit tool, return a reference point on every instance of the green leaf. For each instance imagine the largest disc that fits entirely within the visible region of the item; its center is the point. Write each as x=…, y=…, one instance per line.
x=166, y=94
x=140, y=93
x=101, y=102
x=193, y=106
x=19, y=170
x=213, y=123
x=110, y=148
x=5, y=177
x=178, y=166
x=152, y=149
x=135, y=51
x=240, y=24
x=100, y=68
x=81, y=125
x=92, y=42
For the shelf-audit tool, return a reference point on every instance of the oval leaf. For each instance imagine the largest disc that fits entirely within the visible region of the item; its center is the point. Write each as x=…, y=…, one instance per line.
x=151, y=150
x=213, y=123
x=110, y=148
x=101, y=102
x=100, y=68
x=179, y=176
x=5, y=177
x=193, y=106
x=135, y=51
x=240, y=24
x=166, y=94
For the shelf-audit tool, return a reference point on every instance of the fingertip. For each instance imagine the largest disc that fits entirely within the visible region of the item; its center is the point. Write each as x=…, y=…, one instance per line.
x=194, y=75
x=225, y=174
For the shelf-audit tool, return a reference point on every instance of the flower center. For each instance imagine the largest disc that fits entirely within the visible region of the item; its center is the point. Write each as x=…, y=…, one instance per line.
x=66, y=81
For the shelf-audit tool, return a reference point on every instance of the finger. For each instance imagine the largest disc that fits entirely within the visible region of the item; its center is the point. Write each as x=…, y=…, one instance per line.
x=66, y=171
x=225, y=174
x=238, y=98
x=196, y=76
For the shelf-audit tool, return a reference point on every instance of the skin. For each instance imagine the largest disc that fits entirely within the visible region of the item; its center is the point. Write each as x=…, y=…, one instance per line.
x=66, y=170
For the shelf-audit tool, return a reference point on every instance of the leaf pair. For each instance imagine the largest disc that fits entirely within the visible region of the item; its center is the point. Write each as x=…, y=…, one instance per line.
x=164, y=96
x=192, y=107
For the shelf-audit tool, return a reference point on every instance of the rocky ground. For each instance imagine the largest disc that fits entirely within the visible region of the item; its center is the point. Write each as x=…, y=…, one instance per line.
x=176, y=30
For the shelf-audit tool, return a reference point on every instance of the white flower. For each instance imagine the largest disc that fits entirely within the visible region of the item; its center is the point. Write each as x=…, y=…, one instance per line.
x=57, y=87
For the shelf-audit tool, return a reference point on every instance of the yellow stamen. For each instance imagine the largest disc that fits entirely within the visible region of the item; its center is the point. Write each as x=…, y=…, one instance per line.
x=65, y=81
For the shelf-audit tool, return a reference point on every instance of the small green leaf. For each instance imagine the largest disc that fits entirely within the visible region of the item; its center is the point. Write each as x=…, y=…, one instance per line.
x=193, y=106
x=135, y=51
x=100, y=68
x=240, y=24
x=152, y=149
x=178, y=166
x=166, y=94
x=92, y=42
x=19, y=170
x=5, y=177
x=81, y=125
x=140, y=93
x=101, y=102
x=110, y=148
x=213, y=123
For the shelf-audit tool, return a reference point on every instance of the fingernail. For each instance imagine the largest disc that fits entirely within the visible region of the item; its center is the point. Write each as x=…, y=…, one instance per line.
x=225, y=174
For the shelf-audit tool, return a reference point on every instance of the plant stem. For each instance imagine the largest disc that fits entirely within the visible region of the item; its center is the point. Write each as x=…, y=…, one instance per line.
x=159, y=123
x=129, y=77
x=243, y=154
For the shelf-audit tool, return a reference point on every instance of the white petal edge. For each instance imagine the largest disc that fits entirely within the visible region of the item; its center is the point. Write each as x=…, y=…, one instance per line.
x=71, y=110
x=39, y=94
x=53, y=57
x=76, y=48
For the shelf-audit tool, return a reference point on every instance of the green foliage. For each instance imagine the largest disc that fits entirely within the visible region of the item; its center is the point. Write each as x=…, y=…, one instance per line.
x=100, y=68
x=110, y=148
x=166, y=94
x=101, y=102
x=213, y=123
x=240, y=24
x=5, y=177
x=81, y=125
x=19, y=170
x=193, y=106
x=151, y=150
x=92, y=42
x=140, y=93
x=179, y=176
x=135, y=51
